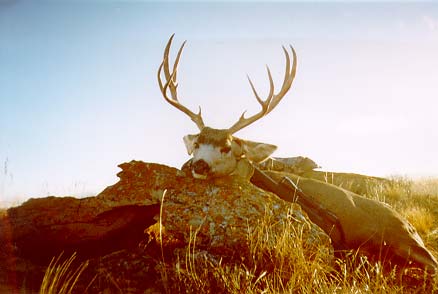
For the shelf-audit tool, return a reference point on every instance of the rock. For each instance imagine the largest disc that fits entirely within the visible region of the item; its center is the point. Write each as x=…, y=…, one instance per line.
x=221, y=212
x=42, y=228
x=153, y=212
x=296, y=165
x=304, y=166
x=357, y=183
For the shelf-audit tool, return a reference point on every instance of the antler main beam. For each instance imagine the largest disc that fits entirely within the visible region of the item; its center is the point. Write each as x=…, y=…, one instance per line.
x=172, y=85
x=273, y=99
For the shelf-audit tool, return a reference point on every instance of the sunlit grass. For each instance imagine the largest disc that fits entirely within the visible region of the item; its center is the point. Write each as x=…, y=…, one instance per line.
x=421, y=218
x=425, y=186
x=281, y=258
x=279, y=261
x=60, y=276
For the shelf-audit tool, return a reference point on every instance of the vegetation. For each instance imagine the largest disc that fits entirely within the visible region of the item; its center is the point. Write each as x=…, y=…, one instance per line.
x=283, y=261
x=61, y=276
x=288, y=265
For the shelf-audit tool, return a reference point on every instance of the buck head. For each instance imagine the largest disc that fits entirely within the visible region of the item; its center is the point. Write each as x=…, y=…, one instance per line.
x=217, y=152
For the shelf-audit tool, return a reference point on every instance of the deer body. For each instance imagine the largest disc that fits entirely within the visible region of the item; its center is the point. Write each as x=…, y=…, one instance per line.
x=367, y=224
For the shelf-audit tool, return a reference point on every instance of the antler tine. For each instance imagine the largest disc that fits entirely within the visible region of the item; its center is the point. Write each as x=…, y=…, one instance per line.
x=172, y=85
x=272, y=100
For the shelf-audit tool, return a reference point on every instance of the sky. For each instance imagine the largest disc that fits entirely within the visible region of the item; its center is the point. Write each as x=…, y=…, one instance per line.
x=79, y=92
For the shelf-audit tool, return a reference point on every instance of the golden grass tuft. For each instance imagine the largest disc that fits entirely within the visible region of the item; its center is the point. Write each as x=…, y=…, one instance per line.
x=421, y=218
x=61, y=277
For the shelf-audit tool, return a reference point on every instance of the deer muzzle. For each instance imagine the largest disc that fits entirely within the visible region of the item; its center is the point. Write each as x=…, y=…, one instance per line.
x=200, y=169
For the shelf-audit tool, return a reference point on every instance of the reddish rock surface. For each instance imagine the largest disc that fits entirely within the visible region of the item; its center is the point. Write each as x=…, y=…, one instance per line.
x=122, y=224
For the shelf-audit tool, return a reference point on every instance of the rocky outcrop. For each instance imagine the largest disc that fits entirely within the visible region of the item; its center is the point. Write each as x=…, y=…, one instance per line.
x=304, y=166
x=152, y=213
x=296, y=165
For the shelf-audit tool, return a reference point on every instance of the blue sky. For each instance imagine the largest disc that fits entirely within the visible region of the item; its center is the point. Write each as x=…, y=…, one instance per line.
x=78, y=89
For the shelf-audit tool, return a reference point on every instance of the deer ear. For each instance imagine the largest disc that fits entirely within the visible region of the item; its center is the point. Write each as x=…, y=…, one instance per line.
x=255, y=151
x=190, y=141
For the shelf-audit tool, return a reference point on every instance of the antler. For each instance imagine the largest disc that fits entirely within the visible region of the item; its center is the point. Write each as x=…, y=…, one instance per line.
x=172, y=85
x=271, y=102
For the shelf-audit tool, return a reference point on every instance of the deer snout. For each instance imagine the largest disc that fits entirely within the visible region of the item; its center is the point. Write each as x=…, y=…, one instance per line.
x=200, y=168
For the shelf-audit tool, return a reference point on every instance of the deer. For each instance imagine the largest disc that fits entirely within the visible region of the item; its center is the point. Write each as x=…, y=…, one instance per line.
x=352, y=221
x=217, y=152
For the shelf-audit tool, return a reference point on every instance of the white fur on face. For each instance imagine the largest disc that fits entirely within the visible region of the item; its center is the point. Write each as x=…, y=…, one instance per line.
x=222, y=152
x=220, y=163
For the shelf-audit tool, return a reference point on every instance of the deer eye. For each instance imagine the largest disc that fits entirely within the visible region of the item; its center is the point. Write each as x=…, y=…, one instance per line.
x=225, y=149
x=195, y=145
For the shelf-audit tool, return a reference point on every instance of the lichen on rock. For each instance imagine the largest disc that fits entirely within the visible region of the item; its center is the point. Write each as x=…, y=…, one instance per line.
x=221, y=212
x=152, y=212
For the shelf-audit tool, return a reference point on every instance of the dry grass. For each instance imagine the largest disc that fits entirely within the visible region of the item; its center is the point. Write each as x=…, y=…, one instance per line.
x=425, y=186
x=61, y=277
x=417, y=200
x=421, y=218
x=286, y=268
x=284, y=261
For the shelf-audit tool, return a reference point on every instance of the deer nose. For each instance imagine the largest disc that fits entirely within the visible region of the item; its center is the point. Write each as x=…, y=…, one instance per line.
x=201, y=167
